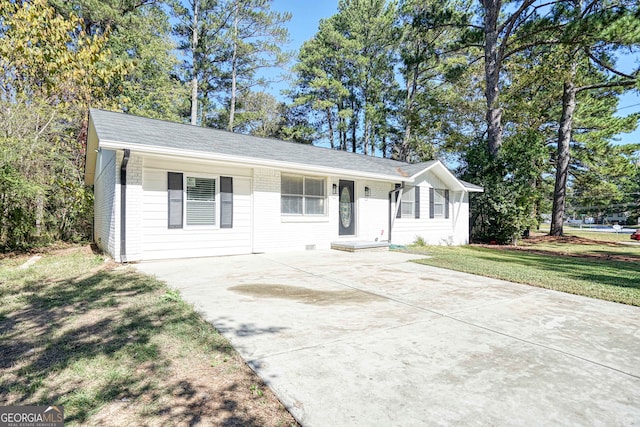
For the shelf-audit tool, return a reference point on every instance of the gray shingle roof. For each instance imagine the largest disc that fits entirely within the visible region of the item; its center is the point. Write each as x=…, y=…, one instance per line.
x=134, y=130
x=471, y=186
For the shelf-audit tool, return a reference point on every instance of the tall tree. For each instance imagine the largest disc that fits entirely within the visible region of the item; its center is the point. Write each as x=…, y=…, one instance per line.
x=321, y=88
x=346, y=73
x=50, y=71
x=200, y=30
x=433, y=75
x=256, y=36
x=500, y=40
x=139, y=37
x=591, y=35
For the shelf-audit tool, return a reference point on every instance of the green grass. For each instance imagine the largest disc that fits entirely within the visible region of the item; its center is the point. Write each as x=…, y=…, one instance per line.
x=610, y=280
x=77, y=332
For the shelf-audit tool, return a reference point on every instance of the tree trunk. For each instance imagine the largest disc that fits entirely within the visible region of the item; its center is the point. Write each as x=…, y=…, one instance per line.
x=403, y=153
x=194, y=80
x=563, y=155
x=232, y=106
x=492, y=74
x=330, y=122
x=384, y=146
x=354, y=125
x=365, y=139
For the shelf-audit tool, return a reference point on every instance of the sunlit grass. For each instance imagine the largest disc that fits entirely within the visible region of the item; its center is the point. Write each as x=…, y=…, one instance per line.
x=610, y=280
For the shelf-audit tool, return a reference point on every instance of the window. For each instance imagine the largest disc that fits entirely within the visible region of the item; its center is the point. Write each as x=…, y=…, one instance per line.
x=410, y=203
x=407, y=204
x=438, y=203
x=201, y=201
x=301, y=195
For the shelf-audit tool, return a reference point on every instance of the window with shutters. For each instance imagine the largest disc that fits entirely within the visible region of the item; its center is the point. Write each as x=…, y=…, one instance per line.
x=201, y=201
x=301, y=195
x=410, y=202
x=407, y=206
x=439, y=203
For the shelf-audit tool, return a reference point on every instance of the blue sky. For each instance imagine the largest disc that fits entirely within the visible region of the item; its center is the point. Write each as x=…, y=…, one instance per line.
x=306, y=15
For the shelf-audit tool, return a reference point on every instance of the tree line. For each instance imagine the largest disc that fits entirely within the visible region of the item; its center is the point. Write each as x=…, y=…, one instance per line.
x=519, y=96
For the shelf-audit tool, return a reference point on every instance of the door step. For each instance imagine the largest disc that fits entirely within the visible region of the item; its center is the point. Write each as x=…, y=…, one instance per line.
x=360, y=246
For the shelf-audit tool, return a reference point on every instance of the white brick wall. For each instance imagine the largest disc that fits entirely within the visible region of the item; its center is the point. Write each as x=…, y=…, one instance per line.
x=373, y=212
x=276, y=232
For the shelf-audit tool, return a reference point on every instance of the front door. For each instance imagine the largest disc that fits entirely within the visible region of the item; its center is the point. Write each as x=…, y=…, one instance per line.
x=347, y=215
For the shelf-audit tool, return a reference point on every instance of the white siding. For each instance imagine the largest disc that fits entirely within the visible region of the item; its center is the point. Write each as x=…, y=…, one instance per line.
x=160, y=242
x=104, y=232
x=435, y=231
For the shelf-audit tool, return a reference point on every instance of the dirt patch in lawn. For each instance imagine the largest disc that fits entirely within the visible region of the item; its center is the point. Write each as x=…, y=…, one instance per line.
x=545, y=238
x=529, y=245
x=116, y=347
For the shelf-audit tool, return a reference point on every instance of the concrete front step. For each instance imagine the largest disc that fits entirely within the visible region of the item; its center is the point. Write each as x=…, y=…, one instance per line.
x=360, y=246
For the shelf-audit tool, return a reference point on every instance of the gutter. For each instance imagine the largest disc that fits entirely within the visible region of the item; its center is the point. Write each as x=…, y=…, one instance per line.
x=249, y=161
x=123, y=206
x=392, y=215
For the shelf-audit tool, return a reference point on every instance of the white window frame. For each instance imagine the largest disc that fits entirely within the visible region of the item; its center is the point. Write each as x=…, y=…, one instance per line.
x=305, y=196
x=216, y=178
x=439, y=192
x=408, y=198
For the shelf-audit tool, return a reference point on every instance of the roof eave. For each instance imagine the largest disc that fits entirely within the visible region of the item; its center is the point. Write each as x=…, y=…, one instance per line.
x=248, y=161
x=438, y=163
x=474, y=190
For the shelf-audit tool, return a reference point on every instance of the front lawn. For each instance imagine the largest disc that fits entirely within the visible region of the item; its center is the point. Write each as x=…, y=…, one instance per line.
x=550, y=266
x=116, y=347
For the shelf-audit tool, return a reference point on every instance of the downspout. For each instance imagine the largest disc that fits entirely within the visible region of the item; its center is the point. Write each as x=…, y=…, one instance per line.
x=123, y=206
x=392, y=215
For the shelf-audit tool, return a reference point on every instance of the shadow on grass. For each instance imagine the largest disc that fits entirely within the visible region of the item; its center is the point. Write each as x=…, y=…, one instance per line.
x=92, y=325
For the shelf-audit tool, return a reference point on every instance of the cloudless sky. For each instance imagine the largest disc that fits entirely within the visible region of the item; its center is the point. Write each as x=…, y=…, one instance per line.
x=306, y=16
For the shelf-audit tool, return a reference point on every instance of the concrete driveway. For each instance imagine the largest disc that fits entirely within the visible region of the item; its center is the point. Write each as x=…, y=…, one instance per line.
x=371, y=339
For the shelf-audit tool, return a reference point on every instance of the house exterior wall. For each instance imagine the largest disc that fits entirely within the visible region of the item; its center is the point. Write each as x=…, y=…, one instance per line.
x=104, y=227
x=373, y=211
x=134, y=206
x=258, y=224
x=435, y=231
x=158, y=241
x=273, y=232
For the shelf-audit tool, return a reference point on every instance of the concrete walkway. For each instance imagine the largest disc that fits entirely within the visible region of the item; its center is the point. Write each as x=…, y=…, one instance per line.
x=371, y=339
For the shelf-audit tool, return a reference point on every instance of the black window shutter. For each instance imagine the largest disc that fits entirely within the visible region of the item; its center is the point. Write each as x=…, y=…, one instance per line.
x=399, y=213
x=417, y=201
x=175, y=196
x=432, y=195
x=446, y=203
x=226, y=202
